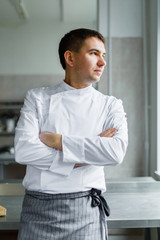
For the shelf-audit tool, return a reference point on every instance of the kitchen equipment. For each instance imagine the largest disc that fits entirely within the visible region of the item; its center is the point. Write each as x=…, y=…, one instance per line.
x=8, y=149
x=10, y=125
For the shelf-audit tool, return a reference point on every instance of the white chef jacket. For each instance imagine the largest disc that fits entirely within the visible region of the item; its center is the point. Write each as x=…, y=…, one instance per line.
x=80, y=115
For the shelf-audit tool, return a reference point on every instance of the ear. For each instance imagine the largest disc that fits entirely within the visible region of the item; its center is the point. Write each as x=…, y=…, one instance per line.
x=68, y=55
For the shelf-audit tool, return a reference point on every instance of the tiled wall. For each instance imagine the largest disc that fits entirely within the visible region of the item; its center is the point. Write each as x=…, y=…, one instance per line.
x=127, y=84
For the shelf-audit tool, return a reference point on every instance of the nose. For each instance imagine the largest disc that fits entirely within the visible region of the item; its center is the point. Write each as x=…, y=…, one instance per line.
x=102, y=62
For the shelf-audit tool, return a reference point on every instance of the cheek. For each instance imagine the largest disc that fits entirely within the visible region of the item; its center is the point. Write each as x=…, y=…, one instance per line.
x=88, y=63
x=82, y=66
x=85, y=64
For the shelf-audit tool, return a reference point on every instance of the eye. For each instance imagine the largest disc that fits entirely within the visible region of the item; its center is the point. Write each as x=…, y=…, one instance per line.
x=93, y=53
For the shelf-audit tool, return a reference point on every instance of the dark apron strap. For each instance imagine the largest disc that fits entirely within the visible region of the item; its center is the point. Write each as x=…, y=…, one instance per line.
x=99, y=200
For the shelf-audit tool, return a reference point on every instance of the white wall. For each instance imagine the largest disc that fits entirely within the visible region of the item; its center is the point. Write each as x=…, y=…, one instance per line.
x=126, y=18
x=32, y=48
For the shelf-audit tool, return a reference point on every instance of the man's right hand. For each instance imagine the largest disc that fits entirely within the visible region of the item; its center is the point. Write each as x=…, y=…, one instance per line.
x=106, y=133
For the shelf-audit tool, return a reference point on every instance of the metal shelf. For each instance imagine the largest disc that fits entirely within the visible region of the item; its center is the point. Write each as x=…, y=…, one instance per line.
x=6, y=156
x=6, y=134
x=8, y=110
x=10, y=105
x=16, y=107
x=5, y=159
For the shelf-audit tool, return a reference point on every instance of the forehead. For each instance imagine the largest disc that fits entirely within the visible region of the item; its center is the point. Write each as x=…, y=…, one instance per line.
x=93, y=43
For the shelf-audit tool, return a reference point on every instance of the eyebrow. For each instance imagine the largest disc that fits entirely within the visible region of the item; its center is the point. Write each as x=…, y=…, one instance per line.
x=96, y=50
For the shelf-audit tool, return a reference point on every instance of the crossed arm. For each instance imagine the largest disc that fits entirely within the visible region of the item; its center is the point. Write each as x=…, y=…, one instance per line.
x=39, y=150
x=54, y=140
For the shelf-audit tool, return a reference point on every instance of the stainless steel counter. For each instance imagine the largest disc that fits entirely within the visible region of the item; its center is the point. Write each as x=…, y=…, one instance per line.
x=133, y=204
x=13, y=205
x=134, y=210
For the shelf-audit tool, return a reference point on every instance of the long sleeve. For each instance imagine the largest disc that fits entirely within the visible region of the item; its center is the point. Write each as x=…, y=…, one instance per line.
x=98, y=150
x=29, y=150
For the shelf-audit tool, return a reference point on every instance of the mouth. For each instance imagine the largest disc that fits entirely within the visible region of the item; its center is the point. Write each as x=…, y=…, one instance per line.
x=98, y=71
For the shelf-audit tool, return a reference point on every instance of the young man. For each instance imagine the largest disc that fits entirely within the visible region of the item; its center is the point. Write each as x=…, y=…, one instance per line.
x=66, y=134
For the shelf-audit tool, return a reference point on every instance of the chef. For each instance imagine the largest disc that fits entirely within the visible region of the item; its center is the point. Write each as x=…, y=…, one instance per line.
x=65, y=135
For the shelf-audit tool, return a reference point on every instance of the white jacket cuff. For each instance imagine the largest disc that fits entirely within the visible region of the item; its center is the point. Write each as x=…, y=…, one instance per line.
x=73, y=149
x=60, y=167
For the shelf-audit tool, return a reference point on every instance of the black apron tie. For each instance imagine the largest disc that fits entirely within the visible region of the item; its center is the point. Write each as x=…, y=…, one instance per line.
x=99, y=200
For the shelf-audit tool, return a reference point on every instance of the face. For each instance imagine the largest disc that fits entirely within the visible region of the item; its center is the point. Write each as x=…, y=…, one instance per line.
x=89, y=63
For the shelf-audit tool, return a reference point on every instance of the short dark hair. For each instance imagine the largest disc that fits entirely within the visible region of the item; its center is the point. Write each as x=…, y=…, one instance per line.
x=73, y=41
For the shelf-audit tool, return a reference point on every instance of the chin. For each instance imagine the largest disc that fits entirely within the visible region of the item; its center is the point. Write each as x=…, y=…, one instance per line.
x=95, y=80
x=92, y=80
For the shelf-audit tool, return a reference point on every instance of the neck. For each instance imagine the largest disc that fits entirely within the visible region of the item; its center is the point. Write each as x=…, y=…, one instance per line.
x=76, y=83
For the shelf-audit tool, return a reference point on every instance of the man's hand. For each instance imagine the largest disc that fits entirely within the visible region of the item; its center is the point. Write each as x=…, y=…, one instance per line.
x=53, y=140
x=107, y=133
x=79, y=165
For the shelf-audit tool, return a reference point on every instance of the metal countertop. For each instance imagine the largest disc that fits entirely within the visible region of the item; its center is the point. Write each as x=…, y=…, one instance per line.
x=128, y=210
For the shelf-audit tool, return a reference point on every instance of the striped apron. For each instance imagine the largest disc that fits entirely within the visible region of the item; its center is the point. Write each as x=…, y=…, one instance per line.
x=69, y=216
